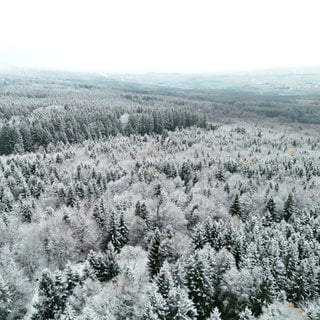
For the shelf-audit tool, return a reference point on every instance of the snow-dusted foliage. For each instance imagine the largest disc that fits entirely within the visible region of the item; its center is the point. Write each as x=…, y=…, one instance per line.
x=147, y=222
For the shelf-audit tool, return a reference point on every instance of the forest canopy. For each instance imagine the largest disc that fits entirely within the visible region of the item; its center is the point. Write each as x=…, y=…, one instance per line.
x=122, y=201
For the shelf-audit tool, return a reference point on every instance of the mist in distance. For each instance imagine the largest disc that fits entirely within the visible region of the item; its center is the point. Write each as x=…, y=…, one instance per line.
x=163, y=36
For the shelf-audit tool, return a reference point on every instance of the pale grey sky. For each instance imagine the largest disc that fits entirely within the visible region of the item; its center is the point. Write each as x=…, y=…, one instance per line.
x=159, y=35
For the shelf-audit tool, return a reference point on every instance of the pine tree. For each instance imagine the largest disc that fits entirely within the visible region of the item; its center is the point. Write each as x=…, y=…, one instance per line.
x=246, y=315
x=113, y=234
x=142, y=212
x=198, y=282
x=288, y=209
x=157, y=308
x=97, y=217
x=164, y=280
x=155, y=256
x=5, y=300
x=215, y=315
x=46, y=306
x=186, y=172
x=235, y=209
x=72, y=279
x=263, y=295
x=61, y=294
x=312, y=310
x=103, y=265
x=180, y=307
x=198, y=238
x=271, y=207
x=71, y=198
x=68, y=314
x=26, y=213
x=123, y=231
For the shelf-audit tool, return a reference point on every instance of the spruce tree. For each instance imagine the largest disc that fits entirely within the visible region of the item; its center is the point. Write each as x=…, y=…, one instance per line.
x=180, y=307
x=164, y=280
x=103, y=265
x=246, y=315
x=46, y=307
x=68, y=314
x=235, y=209
x=113, y=233
x=198, y=238
x=98, y=217
x=215, y=315
x=157, y=307
x=5, y=300
x=123, y=231
x=142, y=212
x=271, y=208
x=198, y=282
x=72, y=279
x=26, y=213
x=288, y=209
x=71, y=198
x=155, y=255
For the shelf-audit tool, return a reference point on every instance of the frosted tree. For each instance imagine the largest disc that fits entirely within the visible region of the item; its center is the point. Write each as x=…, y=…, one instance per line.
x=68, y=314
x=157, y=308
x=123, y=230
x=246, y=315
x=142, y=212
x=113, y=232
x=180, y=307
x=5, y=300
x=49, y=301
x=164, y=280
x=103, y=265
x=155, y=256
x=271, y=208
x=289, y=208
x=235, y=209
x=215, y=315
x=312, y=309
x=199, y=284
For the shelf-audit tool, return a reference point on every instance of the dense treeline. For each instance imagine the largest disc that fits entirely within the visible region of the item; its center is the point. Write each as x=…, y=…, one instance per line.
x=191, y=224
x=73, y=125
x=122, y=205
x=72, y=112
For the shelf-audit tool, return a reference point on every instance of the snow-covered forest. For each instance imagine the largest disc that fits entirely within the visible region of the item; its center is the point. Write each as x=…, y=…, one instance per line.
x=127, y=202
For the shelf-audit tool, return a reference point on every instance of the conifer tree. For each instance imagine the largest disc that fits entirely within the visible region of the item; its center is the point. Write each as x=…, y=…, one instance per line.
x=235, y=209
x=68, y=314
x=142, y=212
x=198, y=282
x=157, y=308
x=180, y=307
x=72, y=279
x=288, y=209
x=271, y=207
x=123, y=231
x=263, y=295
x=5, y=300
x=215, y=315
x=26, y=213
x=198, y=238
x=103, y=265
x=164, y=280
x=246, y=315
x=155, y=256
x=46, y=307
x=98, y=217
x=113, y=233
x=71, y=198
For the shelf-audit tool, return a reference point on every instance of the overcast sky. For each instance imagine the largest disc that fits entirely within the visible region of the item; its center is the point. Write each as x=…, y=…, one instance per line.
x=159, y=35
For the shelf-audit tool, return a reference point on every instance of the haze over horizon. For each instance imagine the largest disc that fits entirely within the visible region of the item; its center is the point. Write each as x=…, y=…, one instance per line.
x=142, y=36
